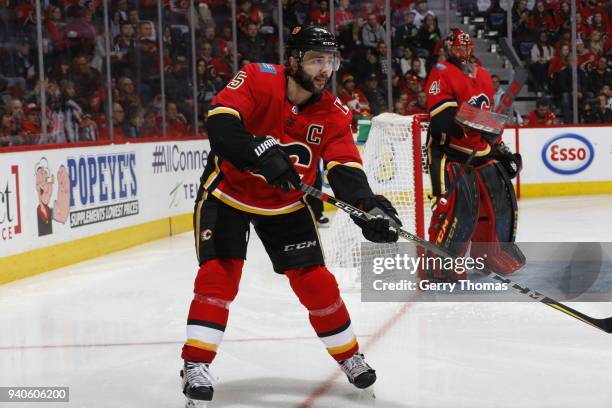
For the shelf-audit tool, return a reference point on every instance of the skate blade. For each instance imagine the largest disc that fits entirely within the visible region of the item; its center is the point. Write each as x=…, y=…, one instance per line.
x=189, y=403
x=368, y=392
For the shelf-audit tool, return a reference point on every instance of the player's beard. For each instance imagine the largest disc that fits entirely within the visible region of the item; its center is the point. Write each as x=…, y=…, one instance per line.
x=308, y=82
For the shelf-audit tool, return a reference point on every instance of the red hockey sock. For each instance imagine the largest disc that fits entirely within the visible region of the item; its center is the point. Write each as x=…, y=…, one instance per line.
x=215, y=287
x=317, y=290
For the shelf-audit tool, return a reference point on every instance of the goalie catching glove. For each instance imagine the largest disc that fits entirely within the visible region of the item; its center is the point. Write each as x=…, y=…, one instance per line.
x=274, y=164
x=512, y=162
x=383, y=226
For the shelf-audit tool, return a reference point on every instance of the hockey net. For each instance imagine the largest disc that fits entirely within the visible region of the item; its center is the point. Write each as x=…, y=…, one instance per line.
x=394, y=160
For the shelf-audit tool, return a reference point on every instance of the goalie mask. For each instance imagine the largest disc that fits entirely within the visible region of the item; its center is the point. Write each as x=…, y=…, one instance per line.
x=459, y=46
x=309, y=38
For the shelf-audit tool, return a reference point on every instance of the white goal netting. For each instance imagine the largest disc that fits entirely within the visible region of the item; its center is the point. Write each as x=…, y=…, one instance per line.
x=393, y=160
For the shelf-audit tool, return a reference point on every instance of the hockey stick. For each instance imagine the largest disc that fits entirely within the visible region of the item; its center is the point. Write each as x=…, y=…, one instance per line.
x=602, y=324
x=517, y=82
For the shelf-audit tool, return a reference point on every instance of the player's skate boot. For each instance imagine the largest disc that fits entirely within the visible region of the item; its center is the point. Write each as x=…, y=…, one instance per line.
x=359, y=373
x=323, y=221
x=197, y=384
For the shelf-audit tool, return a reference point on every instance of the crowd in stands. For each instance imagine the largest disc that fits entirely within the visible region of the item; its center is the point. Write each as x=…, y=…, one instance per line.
x=74, y=55
x=542, y=36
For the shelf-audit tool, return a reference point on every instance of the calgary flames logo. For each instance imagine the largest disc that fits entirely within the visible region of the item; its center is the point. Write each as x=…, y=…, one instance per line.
x=481, y=101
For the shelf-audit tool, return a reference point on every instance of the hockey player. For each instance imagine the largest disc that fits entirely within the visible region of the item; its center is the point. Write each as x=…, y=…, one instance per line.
x=267, y=129
x=470, y=172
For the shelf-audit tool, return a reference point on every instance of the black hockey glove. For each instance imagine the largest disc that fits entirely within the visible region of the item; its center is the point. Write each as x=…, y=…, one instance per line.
x=274, y=164
x=490, y=138
x=512, y=162
x=385, y=216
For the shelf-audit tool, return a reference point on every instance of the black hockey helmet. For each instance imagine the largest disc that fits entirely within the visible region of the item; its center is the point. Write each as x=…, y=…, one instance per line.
x=310, y=38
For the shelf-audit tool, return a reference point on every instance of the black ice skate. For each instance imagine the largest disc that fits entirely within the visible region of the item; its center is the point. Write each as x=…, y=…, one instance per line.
x=359, y=373
x=197, y=384
x=323, y=221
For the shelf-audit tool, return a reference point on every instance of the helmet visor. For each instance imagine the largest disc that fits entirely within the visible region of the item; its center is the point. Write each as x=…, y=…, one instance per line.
x=322, y=60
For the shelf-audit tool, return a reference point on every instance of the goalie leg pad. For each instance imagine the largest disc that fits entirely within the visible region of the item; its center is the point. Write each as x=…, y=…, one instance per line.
x=496, y=228
x=216, y=286
x=317, y=290
x=454, y=217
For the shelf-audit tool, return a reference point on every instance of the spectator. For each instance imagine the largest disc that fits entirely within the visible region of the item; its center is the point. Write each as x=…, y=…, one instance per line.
x=597, y=22
x=135, y=123
x=541, y=19
x=372, y=33
x=72, y=111
x=15, y=108
x=563, y=16
x=206, y=52
x=124, y=43
x=429, y=34
x=126, y=94
x=406, y=34
x=18, y=66
x=520, y=21
x=249, y=15
x=8, y=131
x=223, y=64
x=252, y=46
x=600, y=76
x=401, y=105
x=78, y=35
x=319, y=15
x=602, y=112
x=418, y=106
x=354, y=98
x=178, y=82
x=377, y=99
x=405, y=63
x=421, y=9
x=210, y=37
x=120, y=125
x=56, y=131
x=31, y=132
x=150, y=125
x=418, y=69
x=54, y=25
x=541, y=115
x=585, y=57
x=410, y=86
x=541, y=54
x=385, y=69
x=590, y=8
x=498, y=91
x=87, y=80
x=343, y=16
x=596, y=43
x=60, y=71
x=177, y=123
x=4, y=92
x=143, y=62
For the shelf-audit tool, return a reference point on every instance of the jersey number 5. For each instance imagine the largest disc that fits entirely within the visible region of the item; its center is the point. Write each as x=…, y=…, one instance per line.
x=434, y=89
x=237, y=81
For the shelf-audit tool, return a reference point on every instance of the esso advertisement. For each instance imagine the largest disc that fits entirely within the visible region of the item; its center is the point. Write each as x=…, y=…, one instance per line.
x=568, y=154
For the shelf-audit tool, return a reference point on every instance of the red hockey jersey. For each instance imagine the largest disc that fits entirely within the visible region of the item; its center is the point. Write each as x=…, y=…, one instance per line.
x=447, y=86
x=258, y=96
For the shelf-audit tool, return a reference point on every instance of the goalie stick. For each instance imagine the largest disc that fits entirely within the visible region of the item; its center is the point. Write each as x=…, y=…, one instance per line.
x=604, y=324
